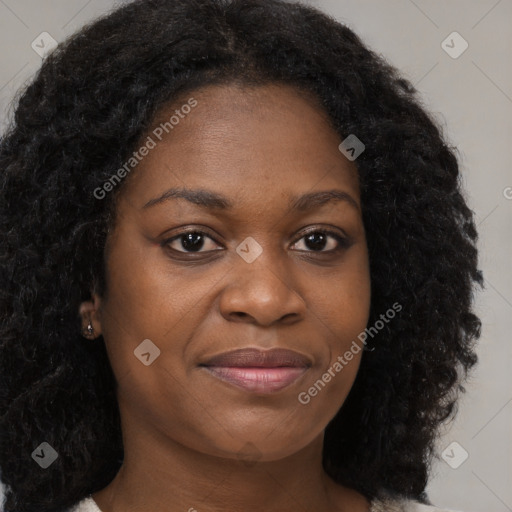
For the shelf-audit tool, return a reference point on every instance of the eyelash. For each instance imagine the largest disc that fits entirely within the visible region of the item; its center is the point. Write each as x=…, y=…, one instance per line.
x=343, y=242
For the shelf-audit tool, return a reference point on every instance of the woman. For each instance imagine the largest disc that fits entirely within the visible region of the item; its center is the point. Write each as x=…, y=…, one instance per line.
x=237, y=269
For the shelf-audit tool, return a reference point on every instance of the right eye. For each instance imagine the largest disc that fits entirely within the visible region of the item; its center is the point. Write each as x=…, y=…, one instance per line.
x=192, y=241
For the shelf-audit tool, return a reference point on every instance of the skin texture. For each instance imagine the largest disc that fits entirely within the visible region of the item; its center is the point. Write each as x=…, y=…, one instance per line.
x=185, y=432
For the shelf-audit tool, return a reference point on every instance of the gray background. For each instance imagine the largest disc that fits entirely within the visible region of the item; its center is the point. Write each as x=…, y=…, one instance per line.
x=471, y=96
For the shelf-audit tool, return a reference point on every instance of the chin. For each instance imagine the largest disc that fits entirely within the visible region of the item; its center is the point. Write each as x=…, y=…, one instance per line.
x=255, y=445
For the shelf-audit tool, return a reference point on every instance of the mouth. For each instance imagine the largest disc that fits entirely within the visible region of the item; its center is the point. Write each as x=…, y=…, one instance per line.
x=258, y=371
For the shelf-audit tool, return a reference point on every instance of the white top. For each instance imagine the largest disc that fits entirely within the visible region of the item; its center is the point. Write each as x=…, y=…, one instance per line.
x=89, y=505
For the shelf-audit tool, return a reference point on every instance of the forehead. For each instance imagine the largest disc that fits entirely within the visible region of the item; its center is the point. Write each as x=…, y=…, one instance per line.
x=258, y=144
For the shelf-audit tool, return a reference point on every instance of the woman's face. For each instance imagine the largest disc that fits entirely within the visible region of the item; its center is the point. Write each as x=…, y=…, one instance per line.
x=251, y=276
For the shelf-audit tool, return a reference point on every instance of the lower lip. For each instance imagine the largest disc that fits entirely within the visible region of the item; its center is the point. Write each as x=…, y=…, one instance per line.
x=259, y=380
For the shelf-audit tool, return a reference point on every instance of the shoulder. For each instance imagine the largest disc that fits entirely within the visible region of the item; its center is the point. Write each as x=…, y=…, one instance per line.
x=404, y=505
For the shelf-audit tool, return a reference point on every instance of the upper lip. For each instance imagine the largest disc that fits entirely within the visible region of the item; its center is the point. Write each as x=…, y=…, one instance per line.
x=254, y=357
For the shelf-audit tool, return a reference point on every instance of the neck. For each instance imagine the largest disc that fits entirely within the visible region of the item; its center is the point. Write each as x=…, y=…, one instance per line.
x=160, y=474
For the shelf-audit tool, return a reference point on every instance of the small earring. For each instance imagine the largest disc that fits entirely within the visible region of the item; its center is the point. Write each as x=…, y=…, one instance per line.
x=88, y=332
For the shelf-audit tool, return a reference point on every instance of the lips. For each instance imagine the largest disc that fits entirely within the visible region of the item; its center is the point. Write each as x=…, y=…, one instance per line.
x=255, y=358
x=258, y=371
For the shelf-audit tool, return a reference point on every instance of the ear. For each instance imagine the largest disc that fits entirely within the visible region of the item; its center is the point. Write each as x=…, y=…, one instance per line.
x=90, y=313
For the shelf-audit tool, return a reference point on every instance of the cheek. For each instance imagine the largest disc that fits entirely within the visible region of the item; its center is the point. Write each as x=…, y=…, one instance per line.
x=143, y=292
x=345, y=316
x=150, y=300
x=341, y=310
x=341, y=299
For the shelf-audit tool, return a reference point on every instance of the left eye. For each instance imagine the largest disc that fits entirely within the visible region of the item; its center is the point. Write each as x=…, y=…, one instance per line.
x=316, y=241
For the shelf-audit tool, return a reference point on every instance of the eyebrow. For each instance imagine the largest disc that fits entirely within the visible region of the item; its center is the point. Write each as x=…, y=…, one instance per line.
x=212, y=200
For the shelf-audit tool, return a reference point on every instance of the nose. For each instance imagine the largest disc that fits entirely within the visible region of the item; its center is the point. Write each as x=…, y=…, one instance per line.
x=262, y=292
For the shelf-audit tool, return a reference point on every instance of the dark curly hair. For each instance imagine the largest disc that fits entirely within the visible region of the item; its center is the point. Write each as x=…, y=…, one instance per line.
x=83, y=115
